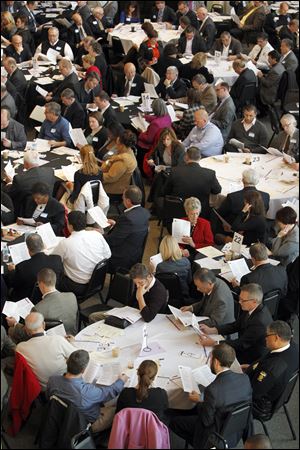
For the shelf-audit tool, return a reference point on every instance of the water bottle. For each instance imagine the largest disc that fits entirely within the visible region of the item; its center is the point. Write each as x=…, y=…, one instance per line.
x=35, y=65
x=34, y=145
x=5, y=253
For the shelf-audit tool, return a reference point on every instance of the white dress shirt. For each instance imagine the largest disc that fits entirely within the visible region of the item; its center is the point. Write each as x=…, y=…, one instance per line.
x=68, y=51
x=282, y=349
x=262, y=62
x=189, y=46
x=80, y=253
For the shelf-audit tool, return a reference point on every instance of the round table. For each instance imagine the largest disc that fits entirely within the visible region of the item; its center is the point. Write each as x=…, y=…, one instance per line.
x=277, y=178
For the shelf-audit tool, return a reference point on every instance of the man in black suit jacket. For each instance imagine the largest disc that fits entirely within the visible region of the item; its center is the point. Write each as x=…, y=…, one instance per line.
x=88, y=89
x=27, y=11
x=192, y=180
x=102, y=100
x=219, y=398
x=98, y=24
x=168, y=59
x=290, y=32
x=251, y=326
x=245, y=77
x=70, y=81
x=226, y=44
x=22, y=183
x=72, y=109
x=23, y=276
x=12, y=7
x=171, y=86
x=44, y=209
x=126, y=238
x=163, y=13
x=131, y=84
x=185, y=45
x=78, y=31
x=83, y=9
x=184, y=10
x=206, y=27
x=15, y=76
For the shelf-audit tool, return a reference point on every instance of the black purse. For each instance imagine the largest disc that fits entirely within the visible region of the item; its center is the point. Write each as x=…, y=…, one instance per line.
x=117, y=322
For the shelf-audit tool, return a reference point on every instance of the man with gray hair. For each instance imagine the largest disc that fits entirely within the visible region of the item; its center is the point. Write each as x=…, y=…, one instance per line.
x=287, y=140
x=46, y=355
x=13, y=134
x=99, y=23
x=251, y=326
x=207, y=28
x=53, y=42
x=72, y=110
x=8, y=101
x=217, y=302
x=70, y=80
x=171, y=86
x=288, y=57
x=55, y=129
x=208, y=94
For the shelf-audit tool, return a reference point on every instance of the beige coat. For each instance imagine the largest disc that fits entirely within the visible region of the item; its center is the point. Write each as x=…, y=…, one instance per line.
x=117, y=172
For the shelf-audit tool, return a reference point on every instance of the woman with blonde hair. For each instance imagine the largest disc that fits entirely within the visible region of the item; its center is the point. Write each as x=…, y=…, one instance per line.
x=8, y=26
x=201, y=234
x=197, y=65
x=174, y=262
x=143, y=395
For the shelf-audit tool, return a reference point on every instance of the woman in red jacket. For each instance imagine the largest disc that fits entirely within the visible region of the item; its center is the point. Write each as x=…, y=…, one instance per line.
x=201, y=234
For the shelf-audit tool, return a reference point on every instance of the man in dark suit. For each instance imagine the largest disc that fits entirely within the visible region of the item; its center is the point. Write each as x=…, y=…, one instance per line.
x=251, y=326
x=15, y=76
x=288, y=57
x=88, y=89
x=269, y=376
x=184, y=10
x=290, y=31
x=245, y=77
x=27, y=10
x=224, y=113
x=269, y=83
x=227, y=45
x=15, y=136
x=234, y=202
x=23, y=276
x=191, y=42
x=12, y=7
x=102, y=100
x=78, y=31
x=171, y=86
x=98, y=24
x=163, y=13
x=17, y=50
x=44, y=209
x=219, y=397
x=206, y=28
x=70, y=81
x=168, y=59
x=131, y=84
x=72, y=109
x=21, y=185
x=192, y=180
x=100, y=62
x=126, y=238
x=82, y=8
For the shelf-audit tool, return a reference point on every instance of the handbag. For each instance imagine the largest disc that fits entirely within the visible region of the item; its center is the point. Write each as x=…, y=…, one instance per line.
x=117, y=322
x=83, y=439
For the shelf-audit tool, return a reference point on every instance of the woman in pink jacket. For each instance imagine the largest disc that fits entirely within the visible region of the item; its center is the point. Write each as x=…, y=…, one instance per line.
x=158, y=121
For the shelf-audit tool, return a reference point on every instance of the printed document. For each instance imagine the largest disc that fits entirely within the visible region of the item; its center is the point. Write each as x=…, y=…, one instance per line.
x=181, y=228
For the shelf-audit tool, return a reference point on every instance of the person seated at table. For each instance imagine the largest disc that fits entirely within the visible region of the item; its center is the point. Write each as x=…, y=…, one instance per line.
x=162, y=13
x=288, y=57
x=151, y=295
x=55, y=129
x=96, y=134
x=187, y=120
x=8, y=101
x=16, y=81
x=251, y=221
x=90, y=248
x=287, y=141
x=157, y=122
x=208, y=94
x=13, y=132
x=185, y=11
x=70, y=81
x=228, y=388
x=251, y=22
x=99, y=24
x=169, y=58
x=257, y=441
x=205, y=135
x=174, y=262
x=78, y=31
x=118, y=169
x=245, y=77
x=150, y=51
x=171, y=86
x=131, y=13
x=144, y=395
x=22, y=30
x=249, y=131
x=110, y=147
x=88, y=89
x=8, y=26
x=224, y=113
x=228, y=46
x=259, y=53
x=17, y=50
x=95, y=49
x=206, y=27
x=54, y=43
x=72, y=110
x=88, y=62
x=131, y=84
x=88, y=398
x=90, y=171
x=191, y=42
x=7, y=217
x=102, y=100
x=22, y=277
x=285, y=246
x=290, y=31
x=197, y=66
x=234, y=202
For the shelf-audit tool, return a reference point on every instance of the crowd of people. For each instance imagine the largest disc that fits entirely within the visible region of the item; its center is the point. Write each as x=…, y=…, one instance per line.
x=116, y=163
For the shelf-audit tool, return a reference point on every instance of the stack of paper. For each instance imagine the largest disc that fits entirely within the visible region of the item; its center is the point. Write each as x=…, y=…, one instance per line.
x=61, y=151
x=172, y=113
x=102, y=373
x=209, y=263
x=210, y=252
x=44, y=80
x=98, y=216
x=59, y=330
x=127, y=313
x=184, y=317
x=78, y=137
x=123, y=101
x=181, y=228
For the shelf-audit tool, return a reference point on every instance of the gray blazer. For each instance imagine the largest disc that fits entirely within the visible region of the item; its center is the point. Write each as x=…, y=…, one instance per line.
x=16, y=134
x=60, y=306
x=218, y=306
x=224, y=117
x=290, y=62
x=286, y=249
x=269, y=84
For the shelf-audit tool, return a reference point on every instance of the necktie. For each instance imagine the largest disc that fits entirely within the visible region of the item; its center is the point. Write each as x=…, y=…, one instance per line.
x=160, y=16
x=101, y=27
x=286, y=146
x=216, y=108
x=127, y=89
x=258, y=55
x=82, y=33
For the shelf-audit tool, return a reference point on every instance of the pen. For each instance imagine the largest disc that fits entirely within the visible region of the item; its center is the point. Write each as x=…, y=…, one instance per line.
x=205, y=352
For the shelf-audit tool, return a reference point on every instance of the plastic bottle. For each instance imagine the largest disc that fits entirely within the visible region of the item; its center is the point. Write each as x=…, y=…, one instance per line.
x=34, y=145
x=35, y=65
x=5, y=253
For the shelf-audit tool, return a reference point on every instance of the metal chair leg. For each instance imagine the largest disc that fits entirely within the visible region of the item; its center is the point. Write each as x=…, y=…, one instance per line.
x=161, y=235
x=265, y=428
x=289, y=421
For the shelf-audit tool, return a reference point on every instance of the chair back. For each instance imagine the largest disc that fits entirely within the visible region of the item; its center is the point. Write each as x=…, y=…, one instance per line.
x=274, y=120
x=117, y=46
x=95, y=186
x=150, y=76
x=137, y=180
x=271, y=300
x=187, y=82
x=173, y=207
x=51, y=323
x=121, y=287
x=216, y=7
x=97, y=280
x=247, y=97
x=83, y=440
x=171, y=282
x=283, y=87
x=286, y=393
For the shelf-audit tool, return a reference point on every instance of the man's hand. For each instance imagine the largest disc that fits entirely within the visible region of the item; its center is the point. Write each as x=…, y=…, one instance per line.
x=194, y=397
x=188, y=240
x=246, y=150
x=285, y=231
x=70, y=338
x=48, y=97
x=20, y=222
x=111, y=222
x=207, y=330
x=11, y=267
x=235, y=283
x=186, y=308
x=259, y=74
x=123, y=377
x=6, y=143
x=185, y=253
x=227, y=228
x=205, y=341
x=151, y=162
x=11, y=321
x=167, y=82
x=53, y=143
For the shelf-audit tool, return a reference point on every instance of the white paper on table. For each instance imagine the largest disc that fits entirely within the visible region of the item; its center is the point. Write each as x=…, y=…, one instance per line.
x=203, y=375
x=61, y=151
x=188, y=381
x=145, y=337
x=59, y=330
x=209, y=263
x=182, y=105
x=155, y=260
x=69, y=172
x=78, y=136
x=88, y=346
x=123, y=101
x=44, y=80
x=52, y=55
x=181, y=228
x=28, y=221
x=172, y=114
x=41, y=91
x=24, y=307
x=10, y=309
x=237, y=242
x=274, y=151
x=289, y=159
x=9, y=170
x=227, y=276
x=210, y=252
x=19, y=253
x=140, y=123
x=38, y=114
x=127, y=312
x=133, y=98
x=47, y=234
x=184, y=317
x=105, y=331
x=28, y=77
x=150, y=89
x=239, y=268
x=108, y=373
x=4, y=209
x=98, y=216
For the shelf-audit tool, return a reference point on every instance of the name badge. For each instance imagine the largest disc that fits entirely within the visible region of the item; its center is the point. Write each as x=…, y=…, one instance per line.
x=230, y=51
x=293, y=141
x=95, y=139
x=76, y=31
x=44, y=215
x=95, y=22
x=58, y=48
x=252, y=135
x=154, y=17
x=53, y=130
x=133, y=85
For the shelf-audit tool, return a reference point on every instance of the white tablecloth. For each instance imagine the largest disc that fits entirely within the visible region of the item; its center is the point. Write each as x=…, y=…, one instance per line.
x=230, y=177
x=172, y=340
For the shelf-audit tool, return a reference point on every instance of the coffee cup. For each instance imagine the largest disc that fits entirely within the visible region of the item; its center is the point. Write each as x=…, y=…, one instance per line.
x=121, y=108
x=226, y=158
x=5, y=154
x=228, y=256
x=133, y=29
x=130, y=365
x=115, y=352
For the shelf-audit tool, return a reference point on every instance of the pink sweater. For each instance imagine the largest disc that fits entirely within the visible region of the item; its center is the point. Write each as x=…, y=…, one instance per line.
x=146, y=139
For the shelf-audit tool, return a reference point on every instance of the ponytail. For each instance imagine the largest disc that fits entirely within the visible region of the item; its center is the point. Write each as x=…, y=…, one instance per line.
x=146, y=373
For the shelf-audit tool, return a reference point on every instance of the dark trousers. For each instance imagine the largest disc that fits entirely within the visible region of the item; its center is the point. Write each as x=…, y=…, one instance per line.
x=68, y=285
x=183, y=423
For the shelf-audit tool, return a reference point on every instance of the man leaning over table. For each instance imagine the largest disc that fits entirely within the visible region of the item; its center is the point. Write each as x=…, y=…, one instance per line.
x=55, y=129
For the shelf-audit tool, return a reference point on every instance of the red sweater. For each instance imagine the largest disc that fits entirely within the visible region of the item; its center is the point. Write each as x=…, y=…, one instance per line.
x=202, y=234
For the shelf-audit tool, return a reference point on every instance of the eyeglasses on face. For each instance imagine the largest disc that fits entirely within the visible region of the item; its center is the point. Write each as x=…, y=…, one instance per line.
x=244, y=301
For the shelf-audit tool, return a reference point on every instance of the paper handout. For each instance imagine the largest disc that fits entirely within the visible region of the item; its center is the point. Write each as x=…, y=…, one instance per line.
x=98, y=216
x=180, y=228
x=19, y=253
x=9, y=170
x=59, y=330
x=188, y=381
x=102, y=373
x=15, y=309
x=38, y=114
x=41, y=91
x=239, y=268
x=274, y=151
x=210, y=252
x=184, y=317
x=78, y=137
x=155, y=260
x=47, y=234
x=209, y=263
x=127, y=312
x=140, y=123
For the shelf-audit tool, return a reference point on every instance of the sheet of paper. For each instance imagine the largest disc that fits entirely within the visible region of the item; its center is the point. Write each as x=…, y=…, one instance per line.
x=47, y=234
x=209, y=263
x=41, y=91
x=123, y=101
x=184, y=317
x=289, y=159
x=28, y=77
x=69, y=172
x=59, y=330
x=65, y=151
x=127, y=312
x=181, y=228
x=274, y=151
x=227, y=276
x=99, y=217
x=172, y=113
x=234, y=16
x=203, y=375
x=274, y=262
x=134, y=98
x=9, y=170
x=24, y=307
x=28, y=221
x=91, y=372
x=19, y=253
x=239, y=268
x=188, y=382
x=155, y=260
x=210, y=252
x=10, y=309
x=108, y=373
x=195, y=325
x=44, y=80
x=153, y=348
x=139, y=123
x=181, y=105
x=4, y=209
x=78, y=136
x=150, y=89
x=38, y=114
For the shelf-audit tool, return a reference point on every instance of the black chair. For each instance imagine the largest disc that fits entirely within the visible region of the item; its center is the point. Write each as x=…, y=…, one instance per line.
x=116, y=201
x=248, y=97
x=95, y=186
x=137, y=180
x=274, y=121
x=117, y=50
x=271, y=300
x=282, y=401
x=187, y=82
x=120, y=287
x=4, y=412
x=82, y=440
x=172, y=208
x=171, y=282
x=51, y=323
x=216, y=7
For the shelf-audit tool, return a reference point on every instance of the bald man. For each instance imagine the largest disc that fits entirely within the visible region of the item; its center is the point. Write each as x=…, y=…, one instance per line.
x=131, y=83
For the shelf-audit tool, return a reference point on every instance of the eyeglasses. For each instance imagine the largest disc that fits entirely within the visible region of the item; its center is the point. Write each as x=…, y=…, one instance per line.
x=271, y=334
x=244, y=301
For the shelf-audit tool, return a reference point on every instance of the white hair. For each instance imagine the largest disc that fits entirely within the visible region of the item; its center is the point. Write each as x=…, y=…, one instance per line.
x=32, y=158
x=34, y=321
x=173, y=69
x=290, y=118
x=251, y=177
